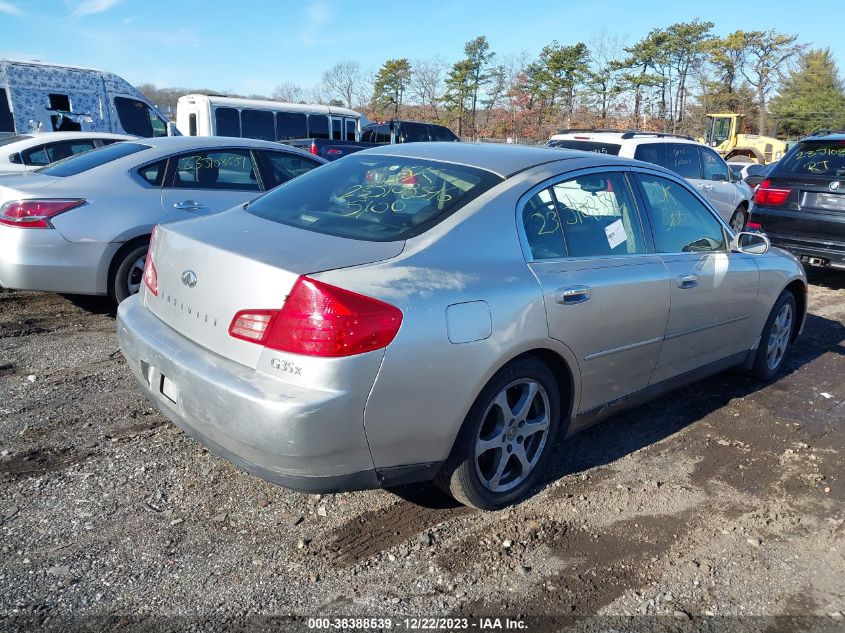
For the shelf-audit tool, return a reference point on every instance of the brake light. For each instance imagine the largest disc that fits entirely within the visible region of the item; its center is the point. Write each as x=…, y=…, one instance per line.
x=321, y=320
x=150, y=274
x=754, y=226
x=769, y=196
x=34, y=214
x=313, y=149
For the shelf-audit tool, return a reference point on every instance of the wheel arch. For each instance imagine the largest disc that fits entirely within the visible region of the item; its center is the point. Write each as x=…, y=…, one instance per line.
x=799, y=290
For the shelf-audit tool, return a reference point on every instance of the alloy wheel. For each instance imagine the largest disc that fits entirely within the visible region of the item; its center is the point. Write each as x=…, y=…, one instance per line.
x=512, y=435
x=779, y=337
x=135, y=275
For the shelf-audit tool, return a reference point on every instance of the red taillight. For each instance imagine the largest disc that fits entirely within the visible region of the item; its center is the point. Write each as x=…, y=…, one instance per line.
x=313, y=148
x=753, y=226
x=150, y=274
x=321, y=320
x=34, y=214
x=768, y=196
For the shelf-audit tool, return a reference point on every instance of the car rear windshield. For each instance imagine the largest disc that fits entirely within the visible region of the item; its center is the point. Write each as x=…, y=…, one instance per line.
x=374, y=198
x=815, y=158
x=96, y=157
x=587, y=146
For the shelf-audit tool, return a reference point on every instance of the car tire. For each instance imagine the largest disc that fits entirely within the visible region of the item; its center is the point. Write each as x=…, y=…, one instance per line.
x=739, y=219
x=127, y=271
x=776, y=338
x=516, y=419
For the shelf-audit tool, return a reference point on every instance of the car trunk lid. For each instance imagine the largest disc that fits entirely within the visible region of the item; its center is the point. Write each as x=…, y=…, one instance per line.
x=211, y=268
x=815, y=207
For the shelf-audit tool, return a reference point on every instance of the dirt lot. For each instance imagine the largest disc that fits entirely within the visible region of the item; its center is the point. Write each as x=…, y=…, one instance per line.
x=719, y=502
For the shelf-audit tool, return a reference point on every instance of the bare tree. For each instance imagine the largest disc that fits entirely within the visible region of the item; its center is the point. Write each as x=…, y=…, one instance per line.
x=289, y=92
x=426, y=85
x=769, y=57
x=343, y=81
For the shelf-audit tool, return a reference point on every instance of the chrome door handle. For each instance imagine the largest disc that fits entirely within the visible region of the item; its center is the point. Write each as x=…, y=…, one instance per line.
x=688, y=281
x=188, y=205
x=573, y=294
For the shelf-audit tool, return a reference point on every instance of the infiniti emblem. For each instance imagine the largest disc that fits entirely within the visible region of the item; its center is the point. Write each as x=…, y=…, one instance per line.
x=834, y=185
x=189, y=278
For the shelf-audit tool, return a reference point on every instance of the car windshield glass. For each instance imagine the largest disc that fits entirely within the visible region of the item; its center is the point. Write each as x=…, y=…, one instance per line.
x=587, y=146
x=815, y=158
x=89, y=160
x=374, y=198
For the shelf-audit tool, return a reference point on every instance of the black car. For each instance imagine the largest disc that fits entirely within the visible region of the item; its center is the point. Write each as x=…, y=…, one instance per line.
x=801, y=204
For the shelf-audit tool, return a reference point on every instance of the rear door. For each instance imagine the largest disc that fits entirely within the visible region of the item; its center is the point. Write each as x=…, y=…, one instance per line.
x=209, y=181
x=813, y=175
x=606, y=292
x=713, y=291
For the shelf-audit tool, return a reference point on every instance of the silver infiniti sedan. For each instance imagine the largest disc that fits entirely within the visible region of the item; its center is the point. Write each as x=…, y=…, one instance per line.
x=447, y=311
x=83, y=224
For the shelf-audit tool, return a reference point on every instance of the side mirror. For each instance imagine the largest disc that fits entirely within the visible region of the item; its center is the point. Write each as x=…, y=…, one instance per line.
x=751, y=243
x=719, y=178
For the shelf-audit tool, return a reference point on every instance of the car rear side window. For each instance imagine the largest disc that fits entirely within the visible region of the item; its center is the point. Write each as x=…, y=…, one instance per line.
x=221, y=169
x=89, y=160
x=586, y=146
x=815, y=158
x=680, y=222
x=683, y=159
x=227, y=122
x=598, y=215
x=654, y=153
x=442, y=134
x=374, y=198
x=154, y=174
x=53, y=152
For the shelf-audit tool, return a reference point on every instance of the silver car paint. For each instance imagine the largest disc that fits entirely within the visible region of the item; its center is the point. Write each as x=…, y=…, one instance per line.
x=120, y=206
x=420, y=393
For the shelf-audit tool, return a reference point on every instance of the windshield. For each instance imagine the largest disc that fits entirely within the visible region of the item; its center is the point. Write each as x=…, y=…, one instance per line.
x=815, y=158
x=96, y=157
x=374, y=198
x=586, y=146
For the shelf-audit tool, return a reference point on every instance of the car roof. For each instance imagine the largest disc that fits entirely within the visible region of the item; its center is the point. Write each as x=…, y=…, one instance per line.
x=177, y=143
x=503, y=159
x=52, y=137
x=827, y=136
x=621, y=136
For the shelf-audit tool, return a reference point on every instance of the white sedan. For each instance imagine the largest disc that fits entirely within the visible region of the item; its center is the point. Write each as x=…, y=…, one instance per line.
x=27, y=152
x=83, y=225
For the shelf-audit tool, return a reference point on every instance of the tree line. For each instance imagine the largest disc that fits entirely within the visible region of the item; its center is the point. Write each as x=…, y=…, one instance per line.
x=665, y=82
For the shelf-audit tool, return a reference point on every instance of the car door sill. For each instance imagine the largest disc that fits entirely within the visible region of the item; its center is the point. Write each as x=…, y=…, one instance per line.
x=587, y=418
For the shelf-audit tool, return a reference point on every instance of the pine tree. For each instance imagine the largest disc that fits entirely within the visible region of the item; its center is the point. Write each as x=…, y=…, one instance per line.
x=390, y=84
x=811, y=97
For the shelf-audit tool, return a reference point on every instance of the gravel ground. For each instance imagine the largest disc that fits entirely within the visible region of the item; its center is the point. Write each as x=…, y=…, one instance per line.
x=721, y=503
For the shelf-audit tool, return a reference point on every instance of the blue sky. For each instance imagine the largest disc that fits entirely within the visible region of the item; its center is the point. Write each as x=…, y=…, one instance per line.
x=251, y=47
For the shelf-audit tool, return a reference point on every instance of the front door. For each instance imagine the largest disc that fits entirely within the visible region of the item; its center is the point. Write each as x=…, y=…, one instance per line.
x=209, y=181
x=713, y=291
x=606, y=294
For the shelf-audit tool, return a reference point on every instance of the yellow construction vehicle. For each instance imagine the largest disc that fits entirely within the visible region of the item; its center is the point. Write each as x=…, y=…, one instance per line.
x=723, y=135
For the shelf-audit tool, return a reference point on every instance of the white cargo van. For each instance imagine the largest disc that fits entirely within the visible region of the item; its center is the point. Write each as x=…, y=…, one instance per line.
x=208, y=115
x=37, y=97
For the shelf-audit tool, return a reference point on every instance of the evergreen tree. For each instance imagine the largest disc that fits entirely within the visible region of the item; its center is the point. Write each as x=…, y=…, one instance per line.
x=811, y=97
x=390, y=84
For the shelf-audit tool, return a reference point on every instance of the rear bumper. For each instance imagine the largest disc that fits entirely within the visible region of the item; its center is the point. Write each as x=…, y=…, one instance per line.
x=832, y=253
x=41, y=259
x=304, y=439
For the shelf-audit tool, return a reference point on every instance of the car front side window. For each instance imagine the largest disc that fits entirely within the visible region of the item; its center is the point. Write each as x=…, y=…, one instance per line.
x=714, y=167
x=680, y=222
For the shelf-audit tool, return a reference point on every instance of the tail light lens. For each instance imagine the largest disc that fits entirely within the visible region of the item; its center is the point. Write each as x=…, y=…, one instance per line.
x=313, y=149
x=321, y=320
x=34, y=214
x=769, y=196
x=753, y=226
x=150, y=274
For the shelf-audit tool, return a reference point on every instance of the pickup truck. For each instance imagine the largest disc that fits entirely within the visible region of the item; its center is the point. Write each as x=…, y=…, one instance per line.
x=376, y=134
